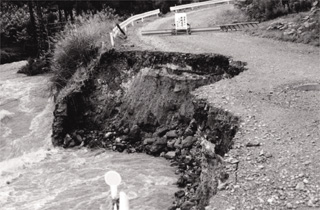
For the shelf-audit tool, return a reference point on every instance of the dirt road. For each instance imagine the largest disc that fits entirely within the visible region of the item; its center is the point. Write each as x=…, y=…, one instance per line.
x=278, y=146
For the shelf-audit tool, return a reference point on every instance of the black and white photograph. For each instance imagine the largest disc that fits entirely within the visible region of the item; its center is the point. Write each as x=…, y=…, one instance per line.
x=160, y=105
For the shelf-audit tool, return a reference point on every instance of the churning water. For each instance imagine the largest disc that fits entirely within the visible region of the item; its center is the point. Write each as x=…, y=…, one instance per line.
x=34, y=175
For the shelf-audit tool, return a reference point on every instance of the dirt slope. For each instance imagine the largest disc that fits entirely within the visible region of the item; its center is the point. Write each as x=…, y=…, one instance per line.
x=278, y=148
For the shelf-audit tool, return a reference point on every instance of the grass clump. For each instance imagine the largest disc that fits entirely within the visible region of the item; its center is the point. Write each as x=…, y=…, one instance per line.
x=79, y=44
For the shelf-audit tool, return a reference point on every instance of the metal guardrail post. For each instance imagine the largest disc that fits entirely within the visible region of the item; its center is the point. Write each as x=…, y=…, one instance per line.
x=111, y=39
x=131, y=20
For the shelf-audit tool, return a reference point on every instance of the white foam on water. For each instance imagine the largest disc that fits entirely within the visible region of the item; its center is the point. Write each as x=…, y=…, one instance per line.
x=34, y=178
x=9, y=169
x=26, y=103
x=4, y=115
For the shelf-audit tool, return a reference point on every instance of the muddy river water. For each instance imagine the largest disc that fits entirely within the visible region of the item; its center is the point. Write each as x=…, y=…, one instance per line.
x=35, y=175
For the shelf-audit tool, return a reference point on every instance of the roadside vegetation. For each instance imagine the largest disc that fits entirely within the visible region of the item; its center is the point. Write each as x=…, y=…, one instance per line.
x=42, y=31
x=79, y=44
x=286, y=20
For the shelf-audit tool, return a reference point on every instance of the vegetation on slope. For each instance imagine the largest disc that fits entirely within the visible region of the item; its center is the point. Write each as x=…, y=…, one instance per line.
x=294, y=21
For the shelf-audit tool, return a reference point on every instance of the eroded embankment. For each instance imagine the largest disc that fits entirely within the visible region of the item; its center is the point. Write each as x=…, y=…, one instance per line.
x=141, y=102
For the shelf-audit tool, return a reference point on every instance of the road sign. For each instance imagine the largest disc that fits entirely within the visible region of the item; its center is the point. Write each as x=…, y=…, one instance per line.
x=181, y=21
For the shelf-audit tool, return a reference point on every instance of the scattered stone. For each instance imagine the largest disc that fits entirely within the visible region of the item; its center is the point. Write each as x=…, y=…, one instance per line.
x=188, y=141
x=179, y=194
x=300, y=186
x=222, y=185
x=79, y=138
x=170, y=143
x=170, y=155
x=160, y=132
x=135, y=132
x=289, y=206
x=253, y=144
x=232, y=160
x=108, y=135
x=161, y=141
x=149, y=141
x=187, y=205
x=172, y=134
x=177, y=144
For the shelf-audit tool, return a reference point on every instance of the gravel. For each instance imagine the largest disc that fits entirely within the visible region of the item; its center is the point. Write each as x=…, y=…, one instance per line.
x=285, y=121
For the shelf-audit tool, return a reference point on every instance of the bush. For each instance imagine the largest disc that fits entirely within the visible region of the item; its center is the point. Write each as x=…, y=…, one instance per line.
x=9, y=55
x=37, y=66
x=13, y=23
x=269, y=9
x=79, y=44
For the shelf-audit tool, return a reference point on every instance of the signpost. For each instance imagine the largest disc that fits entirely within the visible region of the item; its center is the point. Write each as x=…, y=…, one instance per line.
x=181, y=22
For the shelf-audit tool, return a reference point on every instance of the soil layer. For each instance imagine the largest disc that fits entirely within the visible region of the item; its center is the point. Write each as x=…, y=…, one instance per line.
x=139, y=101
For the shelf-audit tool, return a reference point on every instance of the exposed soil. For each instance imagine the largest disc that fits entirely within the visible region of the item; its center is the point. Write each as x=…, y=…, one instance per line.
x=139, y=101
x=274, y=163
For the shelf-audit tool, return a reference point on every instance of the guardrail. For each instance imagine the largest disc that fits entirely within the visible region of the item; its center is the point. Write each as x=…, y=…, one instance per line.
x=131, y=20
x=198, y=4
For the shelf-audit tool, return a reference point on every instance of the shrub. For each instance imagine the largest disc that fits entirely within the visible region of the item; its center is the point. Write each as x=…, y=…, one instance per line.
x=79, y=44
x=8, y=55
x=13, y=23
x=270, y=9
x=37, y=66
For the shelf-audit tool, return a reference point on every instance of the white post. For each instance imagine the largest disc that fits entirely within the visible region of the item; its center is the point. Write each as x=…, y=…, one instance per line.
x=113, y=179
x=142, y=19
x=123, y=201
x=125, y=28
x=111, y=38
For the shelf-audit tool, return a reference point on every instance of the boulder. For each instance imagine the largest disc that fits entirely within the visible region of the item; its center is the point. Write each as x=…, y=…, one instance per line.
x=149, y=141
x=135, y=132
x=156, y=149
x=179, y=194
x=170, y=155
x=172, y=134
x=177, y=144
x=188, y=141
x=161, y=141
x=170, y=143
x=160, y=132
x=187, y=205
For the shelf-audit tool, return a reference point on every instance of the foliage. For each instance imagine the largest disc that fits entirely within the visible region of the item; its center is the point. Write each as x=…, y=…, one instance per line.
x=36, y=65
x=79, y=44
x=14, y=22
x=270, y=9
x=300, y=28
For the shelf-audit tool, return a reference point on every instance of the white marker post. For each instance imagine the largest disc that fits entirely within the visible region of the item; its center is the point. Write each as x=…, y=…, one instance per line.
x=123, y=201
x=113, y=179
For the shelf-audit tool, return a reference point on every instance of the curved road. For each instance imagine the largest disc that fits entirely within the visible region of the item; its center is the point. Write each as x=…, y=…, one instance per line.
x=284, y=171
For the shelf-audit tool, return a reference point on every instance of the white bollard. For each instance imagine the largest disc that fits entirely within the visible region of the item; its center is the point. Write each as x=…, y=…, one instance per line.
x=113, y=179
x=123, y=201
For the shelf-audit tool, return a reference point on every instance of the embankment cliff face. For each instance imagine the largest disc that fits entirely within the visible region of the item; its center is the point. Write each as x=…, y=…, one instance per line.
x=139, y=101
